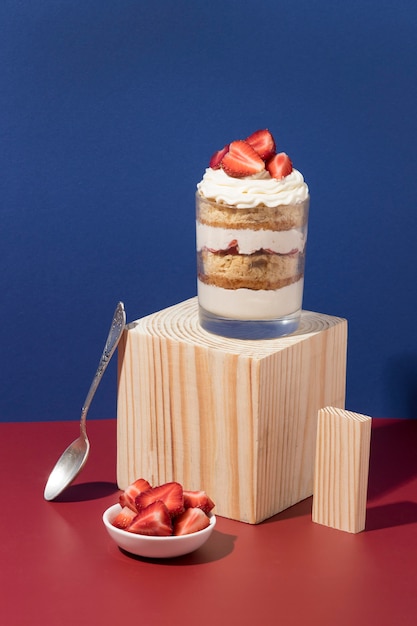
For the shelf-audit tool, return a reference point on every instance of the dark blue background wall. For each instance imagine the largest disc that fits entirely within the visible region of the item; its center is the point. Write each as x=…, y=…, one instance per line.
x=109, y=113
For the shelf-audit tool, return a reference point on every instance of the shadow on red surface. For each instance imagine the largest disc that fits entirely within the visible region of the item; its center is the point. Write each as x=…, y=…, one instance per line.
x=392, y=465
x=87, y=491
x=390, y=515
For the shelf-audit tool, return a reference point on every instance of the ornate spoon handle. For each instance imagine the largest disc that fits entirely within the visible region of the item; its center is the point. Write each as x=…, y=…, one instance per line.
x=116, y=329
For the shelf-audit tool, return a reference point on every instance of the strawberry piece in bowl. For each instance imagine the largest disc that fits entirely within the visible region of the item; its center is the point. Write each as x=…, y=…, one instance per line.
x=191, y=521
x=156, y=547
x=161, y=522
x=171, y=494
x=198, y=499
x=127, y=498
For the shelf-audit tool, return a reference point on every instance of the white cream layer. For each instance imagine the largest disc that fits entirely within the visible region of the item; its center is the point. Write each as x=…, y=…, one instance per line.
x=249, y=241
x=252, y=191
x=244, y=304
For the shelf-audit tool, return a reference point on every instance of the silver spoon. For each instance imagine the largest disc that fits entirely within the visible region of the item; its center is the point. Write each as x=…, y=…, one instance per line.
x=72, y=461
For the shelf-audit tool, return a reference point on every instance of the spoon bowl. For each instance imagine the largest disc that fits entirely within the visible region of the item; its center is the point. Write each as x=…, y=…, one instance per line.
x=67, y=468
x=73, y=459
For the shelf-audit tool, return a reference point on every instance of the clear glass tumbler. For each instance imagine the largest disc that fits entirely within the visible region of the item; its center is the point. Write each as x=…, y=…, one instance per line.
x=250, y=268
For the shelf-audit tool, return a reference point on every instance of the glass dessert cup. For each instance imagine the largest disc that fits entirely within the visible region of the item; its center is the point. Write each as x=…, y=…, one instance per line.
x=250, y=267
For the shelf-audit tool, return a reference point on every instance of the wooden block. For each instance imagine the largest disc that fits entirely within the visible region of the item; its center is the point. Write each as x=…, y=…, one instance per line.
x=341, y=469
x=236, y=418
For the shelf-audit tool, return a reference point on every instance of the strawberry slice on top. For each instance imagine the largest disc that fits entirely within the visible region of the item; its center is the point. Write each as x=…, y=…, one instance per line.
x=263, y=142
x=242, y=160
x=217, y=157
x=279, y=166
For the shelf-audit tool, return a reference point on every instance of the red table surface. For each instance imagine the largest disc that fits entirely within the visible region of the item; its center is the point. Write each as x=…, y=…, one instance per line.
x=59, y=566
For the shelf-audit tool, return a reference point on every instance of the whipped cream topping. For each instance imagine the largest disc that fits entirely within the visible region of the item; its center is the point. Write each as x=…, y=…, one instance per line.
x=252, y=191
x=249, y=241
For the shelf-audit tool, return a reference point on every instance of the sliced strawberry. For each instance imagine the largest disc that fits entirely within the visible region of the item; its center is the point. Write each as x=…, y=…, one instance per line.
x=152, y=520
x=217, y=157
x=124, y=518
x=263, y=142
x=127, y=498
x=171, y=494
x=279, y=165
x=191, y=521
x=242, y=160
x=198, y=499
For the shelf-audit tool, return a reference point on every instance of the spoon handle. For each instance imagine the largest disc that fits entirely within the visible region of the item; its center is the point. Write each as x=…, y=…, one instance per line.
x=116, y=329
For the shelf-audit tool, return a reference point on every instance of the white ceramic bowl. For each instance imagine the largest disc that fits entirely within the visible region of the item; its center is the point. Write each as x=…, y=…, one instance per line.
x=155, y=547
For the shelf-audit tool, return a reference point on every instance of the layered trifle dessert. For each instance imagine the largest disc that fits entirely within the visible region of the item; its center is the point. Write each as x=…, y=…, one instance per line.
x=252, y=212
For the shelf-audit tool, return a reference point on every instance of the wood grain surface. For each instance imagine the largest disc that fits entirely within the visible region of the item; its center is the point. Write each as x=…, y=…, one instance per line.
x=237, y=418
x=341, y=469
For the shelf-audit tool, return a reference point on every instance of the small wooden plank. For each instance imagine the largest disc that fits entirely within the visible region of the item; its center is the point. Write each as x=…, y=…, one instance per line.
x=341, y=469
